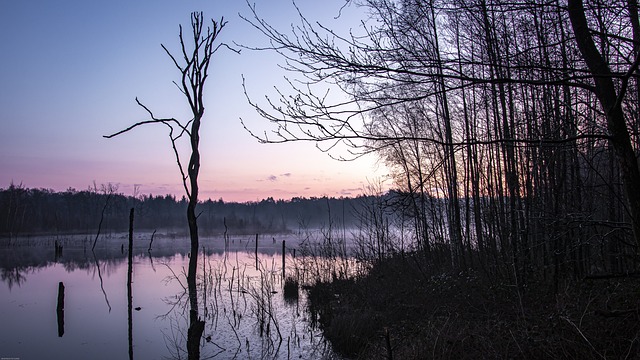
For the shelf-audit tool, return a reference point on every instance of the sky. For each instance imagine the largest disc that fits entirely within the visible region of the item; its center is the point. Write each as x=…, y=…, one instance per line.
x=70, y=71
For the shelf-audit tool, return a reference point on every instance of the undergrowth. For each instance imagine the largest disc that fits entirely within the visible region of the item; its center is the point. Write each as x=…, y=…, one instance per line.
x=403, y=311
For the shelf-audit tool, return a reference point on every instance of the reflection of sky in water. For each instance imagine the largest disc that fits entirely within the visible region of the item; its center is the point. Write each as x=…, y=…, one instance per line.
x=29, y=322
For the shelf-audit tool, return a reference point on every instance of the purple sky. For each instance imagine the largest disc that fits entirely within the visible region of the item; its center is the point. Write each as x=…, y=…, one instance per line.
x=70, y=71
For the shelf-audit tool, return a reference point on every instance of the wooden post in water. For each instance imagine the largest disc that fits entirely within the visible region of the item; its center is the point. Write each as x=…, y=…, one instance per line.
x=58, y=250
x=226, y=236
x=60, y=296
x=283, y=257
x=60, y=309
x=129, y=292
x=257, y=252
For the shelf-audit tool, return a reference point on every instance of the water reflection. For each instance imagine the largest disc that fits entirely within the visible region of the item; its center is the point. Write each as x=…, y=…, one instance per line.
x=13, y=276
x=106, y=298
x=196, y=325
x=231, y=310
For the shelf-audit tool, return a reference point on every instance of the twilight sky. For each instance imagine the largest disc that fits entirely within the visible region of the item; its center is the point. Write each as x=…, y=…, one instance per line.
x=70, y=71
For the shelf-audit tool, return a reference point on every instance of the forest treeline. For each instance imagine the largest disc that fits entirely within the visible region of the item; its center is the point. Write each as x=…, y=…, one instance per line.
x=35, y=211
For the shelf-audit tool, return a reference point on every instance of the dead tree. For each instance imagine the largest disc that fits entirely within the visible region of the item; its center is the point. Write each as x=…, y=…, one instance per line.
x=193, y=64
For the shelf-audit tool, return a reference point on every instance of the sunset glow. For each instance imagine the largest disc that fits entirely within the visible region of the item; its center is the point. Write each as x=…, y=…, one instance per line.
x=73, y=71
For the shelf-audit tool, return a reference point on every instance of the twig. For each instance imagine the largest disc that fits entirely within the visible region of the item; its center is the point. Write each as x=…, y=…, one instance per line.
x=582, y=335
x=151, y=242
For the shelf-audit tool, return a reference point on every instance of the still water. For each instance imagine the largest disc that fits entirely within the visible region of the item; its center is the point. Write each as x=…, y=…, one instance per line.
x=240, y=299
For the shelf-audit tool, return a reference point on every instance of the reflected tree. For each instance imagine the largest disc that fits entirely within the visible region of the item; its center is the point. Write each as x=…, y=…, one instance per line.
x=13, y=276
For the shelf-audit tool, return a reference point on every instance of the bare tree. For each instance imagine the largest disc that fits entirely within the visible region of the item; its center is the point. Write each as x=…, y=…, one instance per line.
x=193, y=64
x=611, y=98
x=497, y=106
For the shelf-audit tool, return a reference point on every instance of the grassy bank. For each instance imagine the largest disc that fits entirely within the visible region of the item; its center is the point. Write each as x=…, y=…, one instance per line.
x=402, y=309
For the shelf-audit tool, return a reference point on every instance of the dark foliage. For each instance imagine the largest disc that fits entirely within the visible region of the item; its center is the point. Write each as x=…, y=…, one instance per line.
x=291, y=290
x=431, y=314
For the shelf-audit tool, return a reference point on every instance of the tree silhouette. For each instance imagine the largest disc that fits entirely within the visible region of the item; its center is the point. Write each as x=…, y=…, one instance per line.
x=193, y=64
x=523, y=117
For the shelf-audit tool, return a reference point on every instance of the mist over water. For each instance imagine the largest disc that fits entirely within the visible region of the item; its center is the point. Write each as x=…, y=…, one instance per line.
x=241, y=300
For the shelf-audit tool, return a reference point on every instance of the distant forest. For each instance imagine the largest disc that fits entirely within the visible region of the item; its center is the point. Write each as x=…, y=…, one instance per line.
x=35, y=211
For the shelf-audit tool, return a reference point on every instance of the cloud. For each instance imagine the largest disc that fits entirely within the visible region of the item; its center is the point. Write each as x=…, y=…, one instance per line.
x=271, y=178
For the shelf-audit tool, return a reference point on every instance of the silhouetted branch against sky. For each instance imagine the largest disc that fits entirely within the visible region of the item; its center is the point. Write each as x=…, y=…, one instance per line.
x=375, y=67
x=106, y=54
x=193, y=67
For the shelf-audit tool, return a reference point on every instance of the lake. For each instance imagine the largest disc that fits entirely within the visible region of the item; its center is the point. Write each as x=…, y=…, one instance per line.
x=241, y=300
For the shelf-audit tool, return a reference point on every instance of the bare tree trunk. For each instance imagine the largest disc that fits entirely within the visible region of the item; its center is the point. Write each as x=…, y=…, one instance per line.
x=193, y=66
x=611, y=102
x=451, y=171
x=196, y=325
x=632, y=6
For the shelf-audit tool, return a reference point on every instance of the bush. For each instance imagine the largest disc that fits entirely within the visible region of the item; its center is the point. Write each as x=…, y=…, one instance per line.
x=291, y=290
